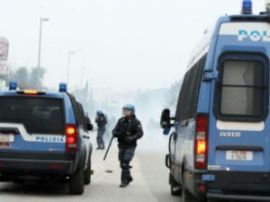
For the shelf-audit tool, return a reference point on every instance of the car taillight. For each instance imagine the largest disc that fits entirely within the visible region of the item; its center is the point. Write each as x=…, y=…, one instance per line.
x=201, y=142
x=71, y=138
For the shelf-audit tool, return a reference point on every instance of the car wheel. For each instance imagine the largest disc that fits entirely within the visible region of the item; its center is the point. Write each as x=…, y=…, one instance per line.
x=88, y=173
x=176, y=189
x=76, y=183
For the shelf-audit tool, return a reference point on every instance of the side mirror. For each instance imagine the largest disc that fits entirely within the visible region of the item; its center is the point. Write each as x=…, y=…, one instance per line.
x=88, y=124
x=165, y=121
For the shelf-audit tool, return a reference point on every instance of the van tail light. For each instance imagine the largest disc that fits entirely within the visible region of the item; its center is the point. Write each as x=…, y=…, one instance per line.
x=201, y=142
x=71, y=138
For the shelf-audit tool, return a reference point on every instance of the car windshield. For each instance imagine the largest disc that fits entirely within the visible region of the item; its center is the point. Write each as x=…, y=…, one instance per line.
x=38, y=115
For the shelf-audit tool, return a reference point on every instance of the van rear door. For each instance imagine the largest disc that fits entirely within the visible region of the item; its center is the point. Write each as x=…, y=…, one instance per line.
x=239, y=133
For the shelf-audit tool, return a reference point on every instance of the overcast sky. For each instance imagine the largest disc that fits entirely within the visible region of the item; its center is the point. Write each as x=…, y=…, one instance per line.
x=125, y=44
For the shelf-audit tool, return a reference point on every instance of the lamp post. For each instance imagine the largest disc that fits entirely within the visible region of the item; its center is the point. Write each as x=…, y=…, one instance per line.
x=82, y=73
x=40, y=39
x=70, y=53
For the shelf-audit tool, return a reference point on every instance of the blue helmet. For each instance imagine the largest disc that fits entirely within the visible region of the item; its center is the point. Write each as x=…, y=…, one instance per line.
x=129, y=107
x=99, y=112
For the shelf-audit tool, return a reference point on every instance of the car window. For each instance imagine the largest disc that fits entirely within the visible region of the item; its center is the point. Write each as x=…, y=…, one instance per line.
x=38, y=115
x=243, y=89
x=189, y=94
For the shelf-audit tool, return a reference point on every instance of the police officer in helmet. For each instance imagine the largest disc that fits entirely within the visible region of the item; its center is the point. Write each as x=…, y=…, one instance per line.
x=127, y=130
x=101, y=123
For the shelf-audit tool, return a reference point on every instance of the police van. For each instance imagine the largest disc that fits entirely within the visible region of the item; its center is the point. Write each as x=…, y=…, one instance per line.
x=220, y=145
x=44, y=138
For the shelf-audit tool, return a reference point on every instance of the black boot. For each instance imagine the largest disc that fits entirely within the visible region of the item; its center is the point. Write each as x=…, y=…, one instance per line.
x=124, y=184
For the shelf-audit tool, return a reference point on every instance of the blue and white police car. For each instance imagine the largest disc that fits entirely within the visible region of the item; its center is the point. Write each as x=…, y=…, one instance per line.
x=44, y=138
x=220, y=146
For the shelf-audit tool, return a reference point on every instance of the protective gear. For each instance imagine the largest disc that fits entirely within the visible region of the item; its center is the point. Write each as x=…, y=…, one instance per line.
x=101, y=123
x=126, y=154
x=99, y=112
x=128, y=130
x=130, y=139
x=100, y=141
x=129, y=107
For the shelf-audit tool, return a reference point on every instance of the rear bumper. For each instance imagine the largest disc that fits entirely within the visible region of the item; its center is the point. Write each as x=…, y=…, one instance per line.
x=220, y=196
x=248, y=186
x=37, y=163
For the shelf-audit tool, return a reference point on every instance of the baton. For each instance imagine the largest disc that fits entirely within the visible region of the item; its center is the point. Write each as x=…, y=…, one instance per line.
x=108, y=149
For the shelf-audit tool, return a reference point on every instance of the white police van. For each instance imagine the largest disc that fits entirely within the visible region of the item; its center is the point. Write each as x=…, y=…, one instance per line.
x=220, y=146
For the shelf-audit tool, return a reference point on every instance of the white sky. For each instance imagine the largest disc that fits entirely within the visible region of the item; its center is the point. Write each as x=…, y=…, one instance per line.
x=125, y=44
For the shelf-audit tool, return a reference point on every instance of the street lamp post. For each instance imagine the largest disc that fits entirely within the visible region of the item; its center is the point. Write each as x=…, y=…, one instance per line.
x=82, y=74
x=40, y=40
x=70, y=53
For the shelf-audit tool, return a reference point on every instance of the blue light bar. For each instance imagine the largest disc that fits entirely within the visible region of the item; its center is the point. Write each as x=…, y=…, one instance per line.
x=247, y=7
x=62, y=87
x=12, y=85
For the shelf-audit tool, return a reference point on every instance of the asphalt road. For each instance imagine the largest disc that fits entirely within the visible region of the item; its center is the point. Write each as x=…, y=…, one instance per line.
x=150, y=184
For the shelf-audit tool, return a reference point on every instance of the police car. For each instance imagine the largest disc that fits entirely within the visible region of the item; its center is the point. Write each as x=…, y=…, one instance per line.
x=44, y=138
x=220, y=146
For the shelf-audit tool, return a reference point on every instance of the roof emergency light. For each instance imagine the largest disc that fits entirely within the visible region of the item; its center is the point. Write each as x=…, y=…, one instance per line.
x=62, y=87
x=247, y=7
x=12, y=85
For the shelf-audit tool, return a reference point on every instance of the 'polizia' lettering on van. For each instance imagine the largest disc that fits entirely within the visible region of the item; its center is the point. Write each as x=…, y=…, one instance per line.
x=254, y=35
x=256, y=32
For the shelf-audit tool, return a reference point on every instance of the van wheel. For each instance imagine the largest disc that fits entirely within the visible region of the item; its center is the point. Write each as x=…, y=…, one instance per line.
x=176, y=189
x=76, y=183
x=88, y=173
x=187, y=196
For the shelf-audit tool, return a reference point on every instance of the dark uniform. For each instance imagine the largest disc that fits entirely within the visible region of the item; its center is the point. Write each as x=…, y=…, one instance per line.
x=101, y=123
x=127, y=131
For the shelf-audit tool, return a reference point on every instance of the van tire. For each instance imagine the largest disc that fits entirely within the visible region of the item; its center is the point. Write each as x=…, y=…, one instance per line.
x=187, y=196
x=88, y=173
x=176, y=189
x=76, y=183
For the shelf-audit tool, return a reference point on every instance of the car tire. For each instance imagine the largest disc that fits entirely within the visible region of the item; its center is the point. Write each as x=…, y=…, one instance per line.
x=76, y=183
x=88, y=173
x=176, y=188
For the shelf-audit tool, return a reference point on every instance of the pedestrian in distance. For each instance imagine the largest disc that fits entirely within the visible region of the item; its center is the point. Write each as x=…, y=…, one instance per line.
x=127, y=130
x=101, y=122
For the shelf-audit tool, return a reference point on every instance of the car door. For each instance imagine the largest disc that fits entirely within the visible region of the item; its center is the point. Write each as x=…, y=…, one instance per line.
x=239, y=133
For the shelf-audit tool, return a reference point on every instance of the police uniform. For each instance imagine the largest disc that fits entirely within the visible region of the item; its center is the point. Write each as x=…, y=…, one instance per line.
x=101, y=123
x=127, y=131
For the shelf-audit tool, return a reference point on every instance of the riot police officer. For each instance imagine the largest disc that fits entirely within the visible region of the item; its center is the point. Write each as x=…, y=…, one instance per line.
x=101, y=123
x=127, y=130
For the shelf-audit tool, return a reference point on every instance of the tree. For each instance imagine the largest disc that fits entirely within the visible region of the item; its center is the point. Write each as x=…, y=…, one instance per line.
x=21, y=77
x=36, y=77
x=26, y=79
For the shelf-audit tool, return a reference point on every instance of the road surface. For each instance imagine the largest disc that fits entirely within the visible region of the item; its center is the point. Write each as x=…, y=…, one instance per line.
x=150, y=184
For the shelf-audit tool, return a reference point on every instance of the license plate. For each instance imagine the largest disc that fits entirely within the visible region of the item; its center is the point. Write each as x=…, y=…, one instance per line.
x=6, y=138
x=239, y=155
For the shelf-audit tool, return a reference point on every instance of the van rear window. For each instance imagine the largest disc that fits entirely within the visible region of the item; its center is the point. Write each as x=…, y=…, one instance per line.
x=38, y=115
x=242, y=89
